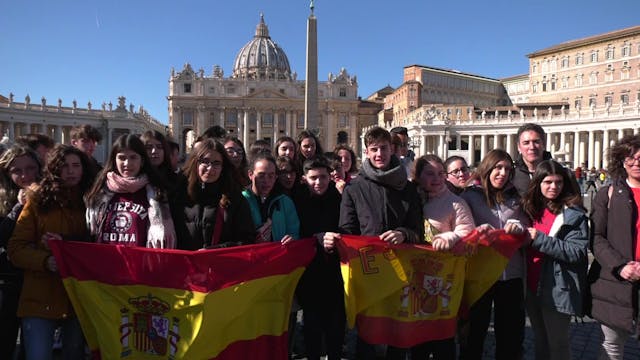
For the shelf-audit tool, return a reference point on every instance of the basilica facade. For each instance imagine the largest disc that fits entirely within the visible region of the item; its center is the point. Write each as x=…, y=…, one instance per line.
x=585, y=94
x=262, y=98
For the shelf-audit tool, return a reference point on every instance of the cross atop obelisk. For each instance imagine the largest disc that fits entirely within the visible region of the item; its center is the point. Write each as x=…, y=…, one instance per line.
x=311, y=87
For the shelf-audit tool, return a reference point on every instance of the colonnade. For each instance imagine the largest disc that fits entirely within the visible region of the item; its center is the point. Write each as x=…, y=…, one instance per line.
x=571, y=147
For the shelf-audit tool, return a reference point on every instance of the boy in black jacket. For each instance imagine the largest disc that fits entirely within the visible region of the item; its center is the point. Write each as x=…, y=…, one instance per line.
x=320, y=290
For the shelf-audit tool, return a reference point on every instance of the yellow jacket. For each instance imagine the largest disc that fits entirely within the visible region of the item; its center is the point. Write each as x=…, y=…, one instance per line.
x=43, y=294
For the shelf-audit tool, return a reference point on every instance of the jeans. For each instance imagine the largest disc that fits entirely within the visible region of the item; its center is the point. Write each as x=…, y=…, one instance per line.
x=551, y=330
x=507, y=298
x=38, y=338
x=613, y=343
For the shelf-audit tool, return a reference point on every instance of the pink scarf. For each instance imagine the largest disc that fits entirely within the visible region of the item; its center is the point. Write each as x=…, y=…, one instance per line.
x=119, y=184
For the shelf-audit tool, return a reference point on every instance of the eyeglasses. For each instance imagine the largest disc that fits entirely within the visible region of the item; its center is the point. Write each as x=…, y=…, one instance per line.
x=216, y=165
x=630, y=161
x=459, y=171
x=233, y=151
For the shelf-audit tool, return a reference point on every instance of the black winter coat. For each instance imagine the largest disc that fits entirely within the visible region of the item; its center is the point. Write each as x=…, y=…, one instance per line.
x=614, y=299
x=371, y=208
x=321, y=284
x=195, y=221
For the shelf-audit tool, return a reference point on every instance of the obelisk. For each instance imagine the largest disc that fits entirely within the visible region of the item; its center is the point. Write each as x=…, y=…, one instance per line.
x=311, y=87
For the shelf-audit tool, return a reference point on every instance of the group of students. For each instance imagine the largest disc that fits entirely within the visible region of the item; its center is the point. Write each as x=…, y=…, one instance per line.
x=141, y=198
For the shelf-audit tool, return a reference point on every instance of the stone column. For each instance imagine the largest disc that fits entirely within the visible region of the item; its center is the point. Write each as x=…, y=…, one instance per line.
x=276, y=127
x=245, y=133
x=222, y=117
x=620, y=133
x=287, y=126
x=496, y=141
x=458, y=142
x=509, y=146
x=597, y=152
x=483, y=146
x=423, y=145
x=441, y=147
x=605, y=148
x=240, y=124
x=563, y=141
x=200, y=120
x=258, y=125
x=576, y=149
x=471, y=151
x=590, y=147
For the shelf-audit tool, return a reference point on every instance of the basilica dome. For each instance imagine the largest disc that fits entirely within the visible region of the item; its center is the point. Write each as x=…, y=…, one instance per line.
x=261, y=58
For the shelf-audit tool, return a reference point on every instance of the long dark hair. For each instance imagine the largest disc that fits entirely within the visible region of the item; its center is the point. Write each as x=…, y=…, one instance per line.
x=625, y=147
x=8, y=189
x=306, y=134
x=492, y=195
x=133, y=143
x=534, y=203
x=165, y=168
x=354, y=166
x=51, y=192
x=226, y=181
x=239, y=173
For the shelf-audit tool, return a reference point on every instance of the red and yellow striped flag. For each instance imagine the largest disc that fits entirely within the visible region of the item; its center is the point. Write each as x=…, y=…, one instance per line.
x=138, y=303
x=404, y=295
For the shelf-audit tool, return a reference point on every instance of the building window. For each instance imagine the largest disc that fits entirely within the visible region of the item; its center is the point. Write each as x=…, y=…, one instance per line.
x=610, y=53
x=624, y=99
x=593, y=78
x=267, y=120
x=231, y=119
x=579, y=58
x=187, y=118
x=300, y=123
x=565, y=82
x=342, y=121
x=608, y=100
x=553, y=84
x=594, y=56
x=231, y=90
x=212, y=90
x=626, y=50
x=565, y=62
x=544, y=86
x=579, y=79
x=187, y=88
x=553, y=65
x=343, y=92
x=592, y=102
x=534, y=88
x=282, y=91
x=578, y=104
x=252, y=90
x=624, y=74
x=534, y=68
x=545, y=66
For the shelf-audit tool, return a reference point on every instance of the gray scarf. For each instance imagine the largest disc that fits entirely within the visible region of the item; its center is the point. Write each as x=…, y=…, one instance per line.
x=395, y=177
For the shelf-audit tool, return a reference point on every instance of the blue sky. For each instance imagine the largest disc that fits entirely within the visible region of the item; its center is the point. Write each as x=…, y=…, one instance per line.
x=98, y=50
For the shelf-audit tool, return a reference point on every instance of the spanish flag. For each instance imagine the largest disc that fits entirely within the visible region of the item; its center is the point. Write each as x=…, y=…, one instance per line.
x=404, y=295
x=138, y=303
